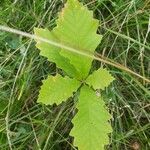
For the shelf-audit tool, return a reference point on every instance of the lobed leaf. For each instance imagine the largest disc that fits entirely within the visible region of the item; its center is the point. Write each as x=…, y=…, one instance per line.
x=56, y=89
x=76, y=28
x=100, y=79
x=52, y=52
x=91, y=125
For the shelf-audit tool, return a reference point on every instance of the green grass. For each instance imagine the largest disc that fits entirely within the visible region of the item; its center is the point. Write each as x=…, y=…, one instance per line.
x=125, y=26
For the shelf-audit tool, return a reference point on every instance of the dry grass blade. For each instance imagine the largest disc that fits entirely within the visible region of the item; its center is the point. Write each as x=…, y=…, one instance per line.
x=85, y=53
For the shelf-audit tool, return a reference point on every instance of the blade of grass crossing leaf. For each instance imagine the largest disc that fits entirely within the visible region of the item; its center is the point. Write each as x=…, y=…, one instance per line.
x=77, y=28
x=52, y=52
x=73, y=50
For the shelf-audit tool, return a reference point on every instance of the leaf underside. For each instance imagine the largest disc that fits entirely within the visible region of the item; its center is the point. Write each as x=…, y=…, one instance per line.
x=56, y=89
x=100, y=79
x=91, y=125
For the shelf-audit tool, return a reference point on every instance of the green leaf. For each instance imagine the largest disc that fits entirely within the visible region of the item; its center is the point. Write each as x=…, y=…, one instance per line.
x=52, y=52
x=76, y=28
x=100, y=79
x=56, y=89
x=91, y=125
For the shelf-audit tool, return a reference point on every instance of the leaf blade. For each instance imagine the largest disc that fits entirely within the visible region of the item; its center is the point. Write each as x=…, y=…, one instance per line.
x=56, y=89
x=82, y=36
x=91, y=125
x=52, y=53
x=100, y=79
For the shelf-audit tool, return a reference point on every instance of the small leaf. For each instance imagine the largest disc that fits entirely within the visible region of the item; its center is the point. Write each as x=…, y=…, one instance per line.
x=56, y=89
x=52, y=52
x=91, y=125
x=100, y=79
x=77, y=28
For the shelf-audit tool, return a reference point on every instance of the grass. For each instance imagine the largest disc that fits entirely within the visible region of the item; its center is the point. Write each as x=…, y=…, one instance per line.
x=125, y=26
